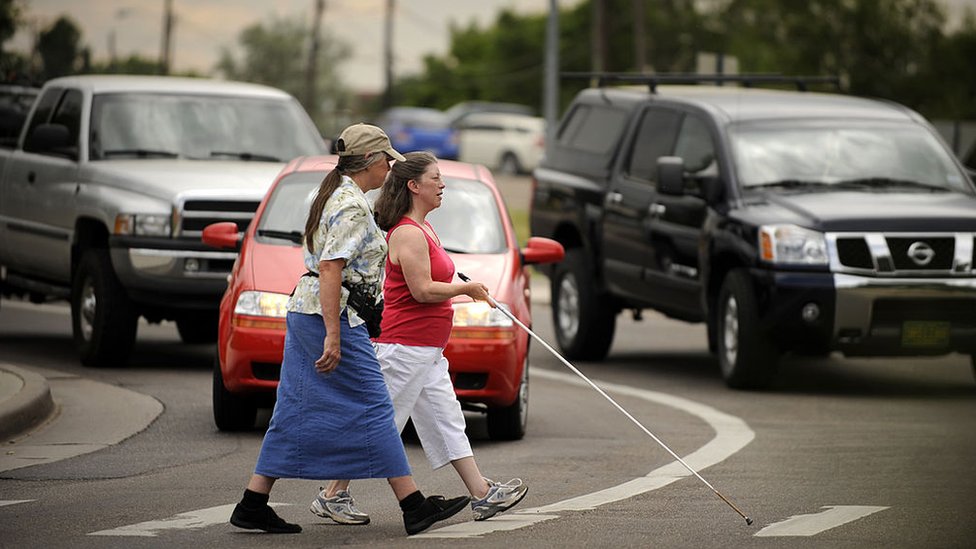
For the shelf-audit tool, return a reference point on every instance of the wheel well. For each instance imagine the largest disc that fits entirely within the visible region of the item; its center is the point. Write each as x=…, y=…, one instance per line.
x=568, y=236
x=89, y=233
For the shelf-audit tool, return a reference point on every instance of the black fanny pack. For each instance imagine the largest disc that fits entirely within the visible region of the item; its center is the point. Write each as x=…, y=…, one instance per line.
x=362, y=300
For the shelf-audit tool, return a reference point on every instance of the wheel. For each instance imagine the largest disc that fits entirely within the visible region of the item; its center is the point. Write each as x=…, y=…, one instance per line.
x=584, y=320
x=748, y=358
x=231, y=412
x=509, y=164
x=103, y=320
x=200, y=328
x=510, y=422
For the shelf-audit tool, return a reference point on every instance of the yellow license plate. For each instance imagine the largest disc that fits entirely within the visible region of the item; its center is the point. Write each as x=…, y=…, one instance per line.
x=924, y=333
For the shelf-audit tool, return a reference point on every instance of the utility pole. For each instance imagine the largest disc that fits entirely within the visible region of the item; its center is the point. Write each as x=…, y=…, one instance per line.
x=165, y=57
x=388, y=54
x=550, y=99
x=312, y=69
x=598, y=59
x=640, y=44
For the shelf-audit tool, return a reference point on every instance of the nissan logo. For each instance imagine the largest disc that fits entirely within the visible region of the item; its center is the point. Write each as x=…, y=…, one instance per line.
x=921, y=253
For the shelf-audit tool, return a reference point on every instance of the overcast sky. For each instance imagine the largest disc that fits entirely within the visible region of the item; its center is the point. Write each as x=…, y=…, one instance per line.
x=203, y=27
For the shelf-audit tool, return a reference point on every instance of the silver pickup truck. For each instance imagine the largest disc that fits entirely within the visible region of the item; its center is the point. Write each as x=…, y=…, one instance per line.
x=104, y=197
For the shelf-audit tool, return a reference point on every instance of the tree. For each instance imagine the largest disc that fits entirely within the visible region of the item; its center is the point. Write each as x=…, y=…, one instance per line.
x=59, y=48
x=275, y=54
x=10, y=18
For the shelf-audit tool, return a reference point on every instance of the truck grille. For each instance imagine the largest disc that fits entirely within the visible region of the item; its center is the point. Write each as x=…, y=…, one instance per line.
x=197, y=214
x=907, y=255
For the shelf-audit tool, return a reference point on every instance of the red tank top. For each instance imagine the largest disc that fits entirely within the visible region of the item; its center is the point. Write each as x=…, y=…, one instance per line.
x=407, y=321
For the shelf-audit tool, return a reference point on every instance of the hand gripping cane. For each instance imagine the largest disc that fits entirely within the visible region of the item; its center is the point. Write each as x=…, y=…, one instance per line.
x=606, y=396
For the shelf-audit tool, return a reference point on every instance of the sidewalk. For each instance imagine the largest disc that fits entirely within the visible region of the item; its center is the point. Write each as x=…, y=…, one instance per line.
x=47, y=415
x=25, y=401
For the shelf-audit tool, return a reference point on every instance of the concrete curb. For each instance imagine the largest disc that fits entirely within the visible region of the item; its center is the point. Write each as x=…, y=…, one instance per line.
x=26, y=408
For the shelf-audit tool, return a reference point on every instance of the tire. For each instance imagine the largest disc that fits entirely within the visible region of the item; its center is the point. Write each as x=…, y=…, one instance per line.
x=509, y=164
x=103, y=320
x=201, y=328
x=584, y=320
x=747, y=356
x=231, y=412
x=510, y=422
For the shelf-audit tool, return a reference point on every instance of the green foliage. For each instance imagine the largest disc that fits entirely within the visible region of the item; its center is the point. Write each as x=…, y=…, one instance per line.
x=134, y=64
x=894, y=49
x=10, y=17
x=59, y=48
x=275, y=53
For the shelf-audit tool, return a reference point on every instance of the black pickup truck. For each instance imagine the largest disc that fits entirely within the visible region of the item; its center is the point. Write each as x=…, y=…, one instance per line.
x=787, y=221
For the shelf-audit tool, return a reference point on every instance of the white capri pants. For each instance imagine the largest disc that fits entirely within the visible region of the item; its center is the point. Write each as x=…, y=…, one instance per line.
x=420, y=387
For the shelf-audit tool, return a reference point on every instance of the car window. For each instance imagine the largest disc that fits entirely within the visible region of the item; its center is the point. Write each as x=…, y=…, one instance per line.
x=695, y=145
x=820, y=153
x=468, y=220
x=293, y=194
x=126, y=125
x=654, y=139
x=45, y=105
x=592, y=129
x=68, y=114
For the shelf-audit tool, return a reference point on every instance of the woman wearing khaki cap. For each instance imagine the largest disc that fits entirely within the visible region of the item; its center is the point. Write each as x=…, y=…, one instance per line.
x=334, y=418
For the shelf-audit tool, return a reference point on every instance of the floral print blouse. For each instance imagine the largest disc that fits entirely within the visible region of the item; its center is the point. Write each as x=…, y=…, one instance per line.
x=347, y=230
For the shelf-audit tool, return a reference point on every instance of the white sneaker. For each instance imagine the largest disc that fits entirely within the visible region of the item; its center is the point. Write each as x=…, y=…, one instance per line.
x=500, y=497
x=340, y=508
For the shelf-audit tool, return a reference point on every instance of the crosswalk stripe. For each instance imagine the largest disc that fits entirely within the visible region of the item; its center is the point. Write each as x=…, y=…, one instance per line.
x=5, y=502
x=731, y=435
x=193, y=520
x=813, y=524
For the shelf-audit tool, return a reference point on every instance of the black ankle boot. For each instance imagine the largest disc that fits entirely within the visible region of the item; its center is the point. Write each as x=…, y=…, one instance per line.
x=433, y=509
x=262, y=518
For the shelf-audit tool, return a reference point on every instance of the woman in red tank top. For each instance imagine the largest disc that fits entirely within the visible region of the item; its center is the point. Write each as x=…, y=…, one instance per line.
x=417, y=321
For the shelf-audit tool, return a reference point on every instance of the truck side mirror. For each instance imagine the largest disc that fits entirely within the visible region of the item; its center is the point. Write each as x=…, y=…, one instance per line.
x=671, y=175
x=51, y=139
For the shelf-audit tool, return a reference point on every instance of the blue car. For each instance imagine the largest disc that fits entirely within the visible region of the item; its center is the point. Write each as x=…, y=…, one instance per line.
x=420, y=129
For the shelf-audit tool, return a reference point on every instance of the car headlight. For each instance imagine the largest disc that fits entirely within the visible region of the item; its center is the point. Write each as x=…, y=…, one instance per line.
x=267, y=304
x=792, y=245
x=143, y=224
x=480, y=314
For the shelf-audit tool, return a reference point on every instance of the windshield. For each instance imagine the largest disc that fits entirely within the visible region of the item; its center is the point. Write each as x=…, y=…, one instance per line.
x=803, y=154
x=468, y=220
x=200, y=127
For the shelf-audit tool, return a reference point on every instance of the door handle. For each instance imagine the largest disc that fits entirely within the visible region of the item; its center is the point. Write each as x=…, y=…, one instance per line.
x=657, y=210
x=31, y=176
x=614, y=198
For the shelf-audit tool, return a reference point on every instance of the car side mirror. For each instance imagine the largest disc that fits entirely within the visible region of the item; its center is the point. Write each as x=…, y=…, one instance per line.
x=671, y=175
x=51, y=139
x=539, y=250
x=221, y=235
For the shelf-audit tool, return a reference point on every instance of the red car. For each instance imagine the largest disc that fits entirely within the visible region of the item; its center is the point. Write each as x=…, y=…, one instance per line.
x=487, y=351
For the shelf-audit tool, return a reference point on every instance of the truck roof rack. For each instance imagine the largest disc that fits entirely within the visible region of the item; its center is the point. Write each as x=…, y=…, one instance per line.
x=747, y=80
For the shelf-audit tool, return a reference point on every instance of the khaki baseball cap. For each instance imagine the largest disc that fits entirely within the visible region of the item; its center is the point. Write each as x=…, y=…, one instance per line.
x=362, y=139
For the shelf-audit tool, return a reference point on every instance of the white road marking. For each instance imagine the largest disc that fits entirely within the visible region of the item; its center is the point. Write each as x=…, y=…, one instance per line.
x=193, y=520
x=731, y=435
x=5, y=502
x=809, y=525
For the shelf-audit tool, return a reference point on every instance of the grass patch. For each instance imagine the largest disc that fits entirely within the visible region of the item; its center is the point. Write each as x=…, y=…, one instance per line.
x=520, y=220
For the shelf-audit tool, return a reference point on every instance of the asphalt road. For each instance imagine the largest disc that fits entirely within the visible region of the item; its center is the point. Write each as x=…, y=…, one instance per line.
x=839, y=453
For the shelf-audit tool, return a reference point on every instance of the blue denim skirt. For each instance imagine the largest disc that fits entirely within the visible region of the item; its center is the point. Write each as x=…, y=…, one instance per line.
x=331, y=426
